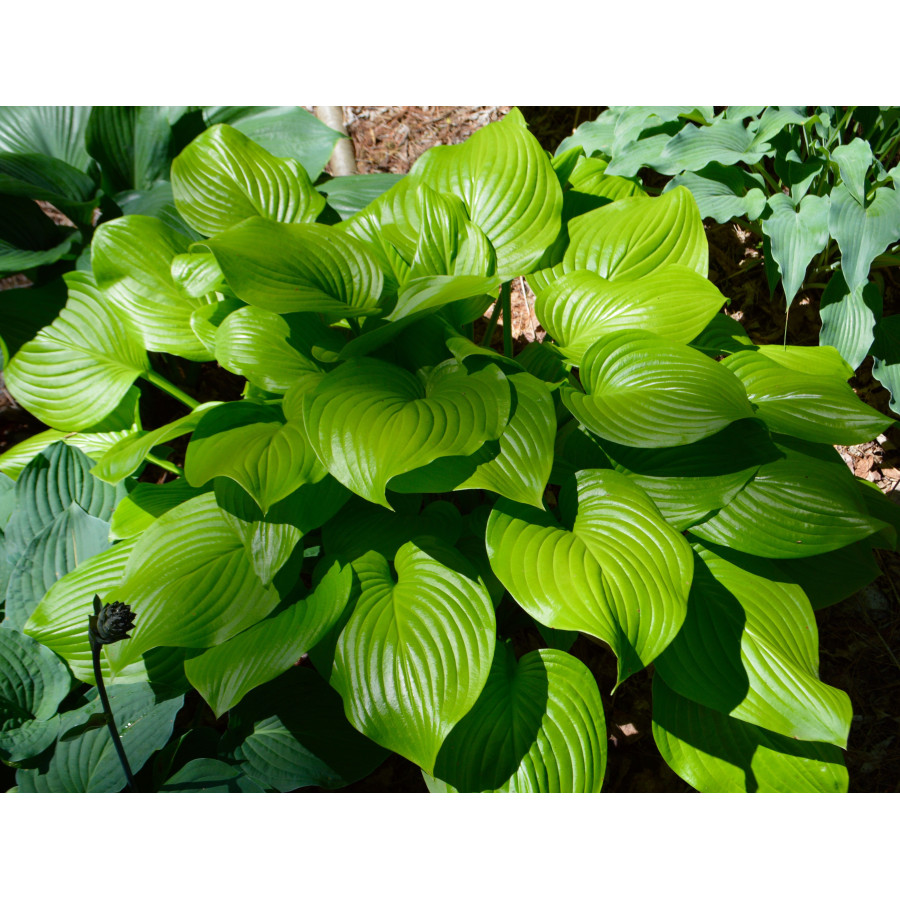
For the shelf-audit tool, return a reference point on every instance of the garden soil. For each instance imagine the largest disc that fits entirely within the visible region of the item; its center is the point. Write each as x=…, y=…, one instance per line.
x=859, y=639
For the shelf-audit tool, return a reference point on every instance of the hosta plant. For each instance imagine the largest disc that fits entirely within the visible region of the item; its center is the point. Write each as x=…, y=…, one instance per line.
x=390, y=503
x=818, y=187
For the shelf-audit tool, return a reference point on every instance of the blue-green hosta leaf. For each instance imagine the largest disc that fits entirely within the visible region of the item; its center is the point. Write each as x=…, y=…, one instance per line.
x=222, y=178
x=716, y=753
x=853, y=160
x=861, y=233
x=619, y=572
x=723, y=192
x=811, y=405
x=131, y=143
x=85, y=760
x=132, y=260
x=225, y=673
x=71, y=538
x=145, y=504
x=285, y=131
x=508, y=185
x=190, y=582
x=517, y=466
x=210, y=776
x=796, y=237
x=56, y=478
x=271, y=351
x=128, y=453
x=580, y=307
x=886, y=351
x=54, y=131
x=792, y=508
x=76, y=371
x=349, y=194
x=42, y=178
x=749, y=648
x=538, y=727
x=369, y=420
x=33, y=682
x=417, y=649
x=849, y=318
x=299, y=268
x=252, y=445
x=293, y=733
x=647, y=391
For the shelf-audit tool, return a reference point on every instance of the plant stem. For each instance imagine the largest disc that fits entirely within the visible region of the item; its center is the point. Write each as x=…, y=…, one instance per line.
x=770, y=181
x=506, y=303
x=110, y=720
x=492, y=324
x=165, y=385
x=165, y=464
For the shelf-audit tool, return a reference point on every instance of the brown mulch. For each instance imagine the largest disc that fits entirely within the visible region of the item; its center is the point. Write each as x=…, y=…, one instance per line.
x=859, y=638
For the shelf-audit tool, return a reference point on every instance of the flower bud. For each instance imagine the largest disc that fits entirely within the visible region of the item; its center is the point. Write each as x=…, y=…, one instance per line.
x=111, y=623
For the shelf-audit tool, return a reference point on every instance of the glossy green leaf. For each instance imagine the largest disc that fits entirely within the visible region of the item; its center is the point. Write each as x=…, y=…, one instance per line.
x=210, y=776
x=157, y=202
x=348, y=194
x=796, y=237
x=749, y=648
x=580, y=307
x=145, y=504
x=849, y=318
x=190, y=582
x=222, y=178
x=29, y=238
x=299, y=268
x=716, y=753
x=292, y=733
x=861, y=233
x=417, y=649
x=25, y=311
x=508, y=185
x=814, y=407
x=85, y=761
x=132, y=260
x=369, y=420
x=590, y=187
x=33, y=682
x=76, y=371
x=197, y=274
x=538, y=727
x=226, y=673
x=614, y=568
x=54, y=131
x=853, y=160
x=647, y=391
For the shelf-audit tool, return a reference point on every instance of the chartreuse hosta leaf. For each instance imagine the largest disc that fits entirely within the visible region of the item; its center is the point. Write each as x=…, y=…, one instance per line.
x=811, y=405
x=58, y=623
x=299, y=268
x=33, y=682
x=85, y=760
x=132, y=261
x=792, y=508
x=634, y=237
x=749, y=648
x=222, y=177
x=716, y=753
x=190, y=582
x=509, y=187
x=538, y=727
x=127, y=454
x=591, y=187
x=77, y=371
x=580, y=307
x=145, y=504
x=617, y=571
x=517, y=466
x=273, y=351
x=647, y=391
x=254, y=446
x=225, y=673
x=416, y=652
x=369, y=420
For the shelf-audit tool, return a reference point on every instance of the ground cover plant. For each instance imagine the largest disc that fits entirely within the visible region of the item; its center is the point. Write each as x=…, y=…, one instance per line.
x=817, y=186
x=391, y=504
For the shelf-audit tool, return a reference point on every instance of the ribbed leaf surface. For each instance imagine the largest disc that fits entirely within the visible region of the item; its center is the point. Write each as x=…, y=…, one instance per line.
x=538, y=727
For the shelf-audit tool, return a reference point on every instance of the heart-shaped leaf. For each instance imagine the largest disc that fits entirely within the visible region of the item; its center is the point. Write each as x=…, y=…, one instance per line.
x=723, y=192
x=417, y=649
x=853, y=160
x=54, y=131
x=849, y=318
x=619, y=571
x=647, y=391
x=76, y=371
x=538, y=727
x=391, y=422
x=222, y=177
